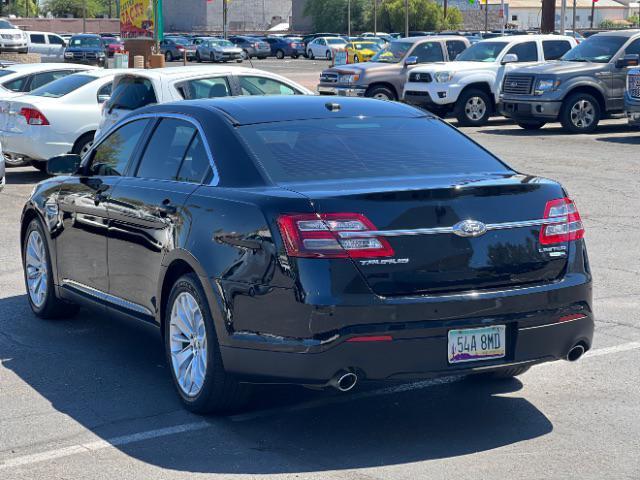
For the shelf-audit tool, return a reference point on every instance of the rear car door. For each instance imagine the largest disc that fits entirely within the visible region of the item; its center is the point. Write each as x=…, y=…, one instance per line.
x=38, y=44
x=56, y=47
x=455, y=48
x=148, y=218
x=83, y=204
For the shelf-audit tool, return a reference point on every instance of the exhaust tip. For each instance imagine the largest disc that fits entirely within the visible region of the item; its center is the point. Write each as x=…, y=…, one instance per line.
x=344, y=381
x=575, y=353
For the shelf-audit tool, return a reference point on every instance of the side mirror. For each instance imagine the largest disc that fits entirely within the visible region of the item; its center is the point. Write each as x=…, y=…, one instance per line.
x=64, y=164
x=632, y=60
x=509, y=58
x=412, y=60
x=103, y=98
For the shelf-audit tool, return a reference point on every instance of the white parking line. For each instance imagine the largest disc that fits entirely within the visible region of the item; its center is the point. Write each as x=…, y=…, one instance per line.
x=190, y=427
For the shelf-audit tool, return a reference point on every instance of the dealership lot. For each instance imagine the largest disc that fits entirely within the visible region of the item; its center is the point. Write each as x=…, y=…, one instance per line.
x=92, y=397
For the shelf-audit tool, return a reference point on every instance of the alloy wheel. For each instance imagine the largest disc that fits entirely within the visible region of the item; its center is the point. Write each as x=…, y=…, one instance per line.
x=36, y=268
x=582, y=114
x=475, y=108
x=188, y=341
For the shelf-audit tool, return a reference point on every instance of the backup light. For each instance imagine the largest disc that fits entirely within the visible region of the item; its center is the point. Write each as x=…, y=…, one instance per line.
x=317, y=236
x=569, y=226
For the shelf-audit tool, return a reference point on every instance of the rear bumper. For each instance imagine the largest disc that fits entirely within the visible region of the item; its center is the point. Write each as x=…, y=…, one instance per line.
x=419, y=345
x=39, y=143
x=342, y=91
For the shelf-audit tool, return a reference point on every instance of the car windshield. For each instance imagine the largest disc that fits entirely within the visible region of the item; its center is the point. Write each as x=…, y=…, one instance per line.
x=393, y=53
x=597, y=49
x=335, y=41
x=110, y=41
x=221, y=43
x=4, y=25
x=385, y=147
x=181, y=41
x=63, y=86
x=85, y=42
x=482, y=52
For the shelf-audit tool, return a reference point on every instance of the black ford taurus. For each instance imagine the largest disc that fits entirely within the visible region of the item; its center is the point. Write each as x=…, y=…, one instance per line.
x=291, y=240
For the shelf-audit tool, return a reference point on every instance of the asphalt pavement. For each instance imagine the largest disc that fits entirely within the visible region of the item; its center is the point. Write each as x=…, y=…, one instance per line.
x=91, y=398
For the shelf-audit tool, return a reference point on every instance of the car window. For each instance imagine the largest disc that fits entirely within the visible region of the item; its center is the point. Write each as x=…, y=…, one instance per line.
x=554, y=49
x=112, y=156
x=166, y=149
x=428, y=52
x=40, y=79
x=526, y=52
x=455, y=48
x=195, y=164
x=17, y=84
x=264, y=86
x=204, y=88
x=633, y=48
x=63, y=86
x=133, y=93
x=321, y=41
x=37, y=38
x=55, y=40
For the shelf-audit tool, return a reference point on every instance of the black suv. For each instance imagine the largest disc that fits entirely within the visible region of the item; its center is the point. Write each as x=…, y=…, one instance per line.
x=87, y=48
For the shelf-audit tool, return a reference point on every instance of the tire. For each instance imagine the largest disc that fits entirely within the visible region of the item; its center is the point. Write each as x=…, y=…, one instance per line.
x=310, y=55
x=356, y=59
x=580, y=113
x=473, y=108
x=198, y=57
x=245, y=55
x=531, y=125
x=215, y=391
x=212, y=58
x=168, y=56
x=279, y=54
x=36, y=264
x=380, y=93
x=82, y=145
x=328, y=55
x=13, y=163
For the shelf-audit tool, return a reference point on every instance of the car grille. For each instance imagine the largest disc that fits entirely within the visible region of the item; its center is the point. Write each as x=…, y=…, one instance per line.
x=11, y=36
x=517, y=84
x=634, y=86
x=420, y=77
x=328, y=78
x=85, y=55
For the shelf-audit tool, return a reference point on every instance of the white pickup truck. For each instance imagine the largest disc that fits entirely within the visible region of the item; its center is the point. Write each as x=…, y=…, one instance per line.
x=470, y=85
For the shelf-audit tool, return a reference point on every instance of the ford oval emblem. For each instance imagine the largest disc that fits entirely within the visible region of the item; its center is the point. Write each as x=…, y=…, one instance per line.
x=469, y=228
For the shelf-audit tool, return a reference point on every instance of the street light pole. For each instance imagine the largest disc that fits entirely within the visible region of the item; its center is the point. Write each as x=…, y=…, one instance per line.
x=375, y=17
x=574, y=17
x=224, y=19
x=563, y=14
x=84, y=16
x=348, y=18
x=406, y=18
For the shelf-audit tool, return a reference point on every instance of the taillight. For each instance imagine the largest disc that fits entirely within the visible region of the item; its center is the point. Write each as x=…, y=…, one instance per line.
x=569, y=226
x=180, y=48
x=34, y=116
x=318, y=236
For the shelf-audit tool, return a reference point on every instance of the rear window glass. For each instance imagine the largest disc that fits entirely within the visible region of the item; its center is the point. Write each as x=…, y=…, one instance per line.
x=63, y=86
x=204, y=88
x=327, y=150
x=4, y=72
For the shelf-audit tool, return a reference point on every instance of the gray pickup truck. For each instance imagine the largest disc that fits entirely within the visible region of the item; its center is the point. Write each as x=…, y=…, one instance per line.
x=632, y=97
x=584, y=86
x=384, y=76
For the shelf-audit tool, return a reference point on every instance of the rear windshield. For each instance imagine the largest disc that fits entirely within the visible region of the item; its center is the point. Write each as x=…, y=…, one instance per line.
x=63, y=86
x=353, y=148
x=4, y=72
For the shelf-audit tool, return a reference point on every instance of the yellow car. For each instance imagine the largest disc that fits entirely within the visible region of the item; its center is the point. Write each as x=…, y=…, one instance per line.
x=361, y=51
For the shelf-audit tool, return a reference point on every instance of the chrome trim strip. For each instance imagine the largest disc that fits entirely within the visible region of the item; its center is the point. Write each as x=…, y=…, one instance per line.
x=99, y=294
x=441, y=230
x=554, y=324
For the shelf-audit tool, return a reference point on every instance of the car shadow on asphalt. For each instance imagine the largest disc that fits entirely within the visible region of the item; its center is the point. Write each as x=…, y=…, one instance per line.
x=630, y=140
x=24, y=176
x=554, y=129
x=109, y=376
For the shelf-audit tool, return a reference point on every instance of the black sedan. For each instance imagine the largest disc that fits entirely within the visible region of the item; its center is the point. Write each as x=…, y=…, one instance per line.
x=291, y=240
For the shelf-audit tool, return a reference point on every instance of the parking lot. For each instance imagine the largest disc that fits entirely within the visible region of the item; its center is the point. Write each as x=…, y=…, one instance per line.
x=92, y=397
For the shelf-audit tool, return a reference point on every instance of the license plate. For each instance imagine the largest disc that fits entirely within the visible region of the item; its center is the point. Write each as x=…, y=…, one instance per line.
x=474, y=344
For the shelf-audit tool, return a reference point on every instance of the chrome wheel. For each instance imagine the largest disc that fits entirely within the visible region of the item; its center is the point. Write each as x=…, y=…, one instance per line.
x=188, y=341
x=85, y=148
x=475, y=109
x=381, y=96
x=36, y=268
x=582, y=114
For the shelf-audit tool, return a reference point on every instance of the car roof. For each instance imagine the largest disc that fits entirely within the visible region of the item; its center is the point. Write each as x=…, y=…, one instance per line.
x=87, y=35
x=186, y=72
x=248, y=110
x=526, y=38
x=428, y=37
x=619, y=33
x=44, y=67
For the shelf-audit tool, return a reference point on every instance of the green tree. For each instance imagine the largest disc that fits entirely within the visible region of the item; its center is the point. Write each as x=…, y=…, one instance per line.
x=425, y=15
x=62, y=8
x=331, y=15
x=19, y=8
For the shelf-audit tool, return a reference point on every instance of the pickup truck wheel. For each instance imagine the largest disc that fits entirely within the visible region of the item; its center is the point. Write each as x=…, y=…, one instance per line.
x=473, y=108
x=531, y=125
x=580, y=113
x=380, y=93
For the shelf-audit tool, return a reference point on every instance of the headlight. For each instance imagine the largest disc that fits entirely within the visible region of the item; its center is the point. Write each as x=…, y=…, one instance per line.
x=546, y=85
x=101, y=54
x=443, y=77
x=352, y=78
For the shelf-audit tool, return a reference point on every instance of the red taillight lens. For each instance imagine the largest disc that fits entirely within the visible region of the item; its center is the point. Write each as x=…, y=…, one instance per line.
x=569, y=226
x=34, y=116
x=318, y=236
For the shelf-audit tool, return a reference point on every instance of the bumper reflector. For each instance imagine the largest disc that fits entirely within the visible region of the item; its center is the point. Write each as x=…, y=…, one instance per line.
x=371, y=338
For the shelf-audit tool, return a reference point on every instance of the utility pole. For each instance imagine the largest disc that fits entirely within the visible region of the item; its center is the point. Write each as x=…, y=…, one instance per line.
x=593, y=11
x=574, y=18
x=563, y=13
x=548, y=16
x=225, y=33
x=444, y=8
x=406, y=18
x=348, y=18
x=486, y=16
x=375, y=17
x=84, y=16
x=503, y=19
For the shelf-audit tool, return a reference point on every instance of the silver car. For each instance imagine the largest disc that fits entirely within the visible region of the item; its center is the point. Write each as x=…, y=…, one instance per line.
x=218, y=50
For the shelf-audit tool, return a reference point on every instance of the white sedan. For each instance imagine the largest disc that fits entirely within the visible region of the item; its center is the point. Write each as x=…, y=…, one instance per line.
x=58, y=118
x=21, y=78
x=323, y=47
